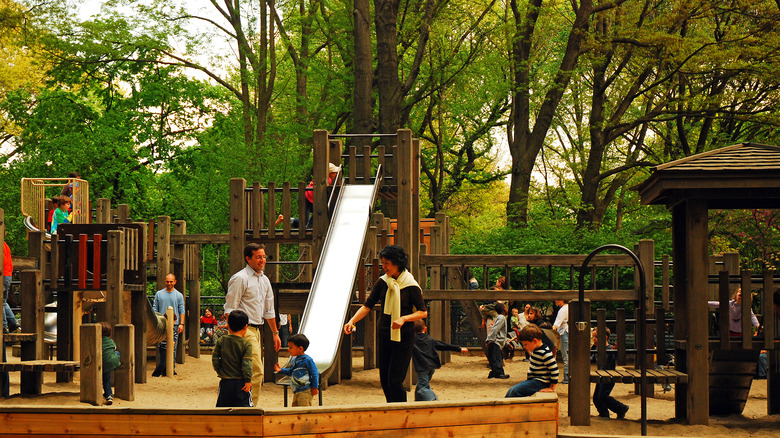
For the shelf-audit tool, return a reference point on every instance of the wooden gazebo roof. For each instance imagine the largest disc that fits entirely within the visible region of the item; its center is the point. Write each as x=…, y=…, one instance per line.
x=744, y=175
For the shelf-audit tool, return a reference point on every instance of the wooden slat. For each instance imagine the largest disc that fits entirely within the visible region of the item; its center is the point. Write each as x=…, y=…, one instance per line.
x=536, y=429
x=383, y=418
x=13, y=338
x=529, y=295
x=533, y=260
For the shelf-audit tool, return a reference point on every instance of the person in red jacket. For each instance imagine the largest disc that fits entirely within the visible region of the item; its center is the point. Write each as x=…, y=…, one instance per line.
x=10, y=323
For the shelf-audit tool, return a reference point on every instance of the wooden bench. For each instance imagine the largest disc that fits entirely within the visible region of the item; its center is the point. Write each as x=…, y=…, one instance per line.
x=40, y=366
x=32, y=373
x=662, y=377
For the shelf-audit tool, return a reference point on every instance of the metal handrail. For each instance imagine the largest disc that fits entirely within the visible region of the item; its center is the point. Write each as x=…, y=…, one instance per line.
x=584, y=325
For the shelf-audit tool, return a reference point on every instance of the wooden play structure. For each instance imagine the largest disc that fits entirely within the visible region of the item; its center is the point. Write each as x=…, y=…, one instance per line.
x=107, y=258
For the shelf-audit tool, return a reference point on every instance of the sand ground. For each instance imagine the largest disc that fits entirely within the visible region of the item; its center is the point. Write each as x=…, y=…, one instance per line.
x=195, y=386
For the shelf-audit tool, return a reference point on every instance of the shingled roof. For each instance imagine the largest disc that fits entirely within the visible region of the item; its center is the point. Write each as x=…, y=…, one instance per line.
x=745, y=175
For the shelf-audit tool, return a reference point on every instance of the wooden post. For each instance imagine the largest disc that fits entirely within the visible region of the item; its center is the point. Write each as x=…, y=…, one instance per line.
x=435, y=317
x=139, y=303
x=320, y=178
x=768, y=309
x=694, y=287
x=237, y=224
x=193, y=286
x=163, y=239
x=723, y=314
x=601, y=329
x=747, y=305
x=665, y=281
x=169, y=346
x=33, y=304
x=123, y=213
x=124, y=336
x=115, y=284
x=414, y=177
x=103, y=211
x=406, y=228
x=579, y=363
x=647, y=257
x=270, y=356
x=180, y=229
x=620, y=331
x=346, y=355
x=91, y=370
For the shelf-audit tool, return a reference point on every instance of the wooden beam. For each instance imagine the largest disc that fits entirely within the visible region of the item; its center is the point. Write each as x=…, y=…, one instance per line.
x=529, y=295
x=533, y=260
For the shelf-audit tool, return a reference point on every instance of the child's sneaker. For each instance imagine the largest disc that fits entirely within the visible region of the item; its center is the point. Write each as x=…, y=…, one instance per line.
x=109, y=400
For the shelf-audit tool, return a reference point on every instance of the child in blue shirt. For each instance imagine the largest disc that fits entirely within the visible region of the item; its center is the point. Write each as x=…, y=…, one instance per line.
x=305, y=378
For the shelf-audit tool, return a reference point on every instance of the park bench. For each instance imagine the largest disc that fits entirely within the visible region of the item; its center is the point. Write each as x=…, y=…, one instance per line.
x=32, y=370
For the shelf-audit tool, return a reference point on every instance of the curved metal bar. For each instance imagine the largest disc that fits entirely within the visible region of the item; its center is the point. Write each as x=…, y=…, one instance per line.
x=581, y=325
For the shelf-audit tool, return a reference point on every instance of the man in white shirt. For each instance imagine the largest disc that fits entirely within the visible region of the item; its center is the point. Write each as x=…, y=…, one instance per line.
x=562, y=326
x=250, y=290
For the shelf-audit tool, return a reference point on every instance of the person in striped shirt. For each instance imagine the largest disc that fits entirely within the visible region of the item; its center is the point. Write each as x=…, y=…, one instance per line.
x=543, y=372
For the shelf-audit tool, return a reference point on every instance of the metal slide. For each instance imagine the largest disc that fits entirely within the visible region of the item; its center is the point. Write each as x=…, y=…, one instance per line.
x=331, y=291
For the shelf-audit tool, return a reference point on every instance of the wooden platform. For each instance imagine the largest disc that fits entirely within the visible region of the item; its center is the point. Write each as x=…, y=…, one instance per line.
x=535, y=416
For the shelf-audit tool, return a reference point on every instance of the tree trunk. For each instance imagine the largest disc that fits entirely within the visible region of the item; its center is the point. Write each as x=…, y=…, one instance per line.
x=526, y=143
x=363, y=120
x=388, y=83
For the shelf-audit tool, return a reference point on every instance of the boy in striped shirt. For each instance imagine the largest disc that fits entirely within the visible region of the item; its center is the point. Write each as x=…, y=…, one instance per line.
x=543, y=372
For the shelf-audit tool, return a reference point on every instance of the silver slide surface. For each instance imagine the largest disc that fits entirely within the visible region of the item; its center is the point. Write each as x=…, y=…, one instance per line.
x=331, y=291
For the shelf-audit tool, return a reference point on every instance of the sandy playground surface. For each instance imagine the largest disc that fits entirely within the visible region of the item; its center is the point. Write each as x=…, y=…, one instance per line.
x=195, y=386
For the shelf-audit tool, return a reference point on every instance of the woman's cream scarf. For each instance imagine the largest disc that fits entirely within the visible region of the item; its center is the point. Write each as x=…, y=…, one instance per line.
x=393, y=299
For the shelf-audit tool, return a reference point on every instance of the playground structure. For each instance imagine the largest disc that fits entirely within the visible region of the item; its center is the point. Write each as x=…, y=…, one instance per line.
x=440, y=273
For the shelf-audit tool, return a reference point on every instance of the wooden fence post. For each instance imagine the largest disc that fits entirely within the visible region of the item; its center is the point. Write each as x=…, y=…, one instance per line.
x=91, y=365
x=124, y=336
x=579, y=363
x=139, y=303
x=163, y=239
x=180, y=229
x=237, y=224
x=169, y=345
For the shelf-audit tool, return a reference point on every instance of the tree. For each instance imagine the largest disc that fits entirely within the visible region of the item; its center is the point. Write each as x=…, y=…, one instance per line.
x=526, y=141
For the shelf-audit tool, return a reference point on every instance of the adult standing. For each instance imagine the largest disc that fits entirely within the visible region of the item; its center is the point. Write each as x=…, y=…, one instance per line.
x=250, y=290
x=402, y=304
x=561, y=325
x=735, y=314
x=164, y=298
x=10, y=324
